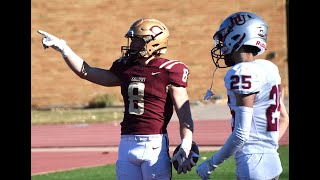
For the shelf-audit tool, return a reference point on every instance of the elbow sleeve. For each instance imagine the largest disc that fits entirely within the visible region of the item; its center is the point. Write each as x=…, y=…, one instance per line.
x=242, y=124
x=240, y=134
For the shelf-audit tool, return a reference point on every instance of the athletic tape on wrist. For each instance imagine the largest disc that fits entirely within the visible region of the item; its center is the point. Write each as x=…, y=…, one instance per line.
x=186, y=144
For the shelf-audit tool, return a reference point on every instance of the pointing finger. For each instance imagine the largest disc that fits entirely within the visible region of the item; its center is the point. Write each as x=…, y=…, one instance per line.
x=42, y=32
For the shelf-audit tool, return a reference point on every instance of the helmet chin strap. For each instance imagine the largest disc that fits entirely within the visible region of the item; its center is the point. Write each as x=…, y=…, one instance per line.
x=209, y=93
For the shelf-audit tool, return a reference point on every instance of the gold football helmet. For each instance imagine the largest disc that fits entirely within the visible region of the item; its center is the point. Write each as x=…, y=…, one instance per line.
x=146, y=37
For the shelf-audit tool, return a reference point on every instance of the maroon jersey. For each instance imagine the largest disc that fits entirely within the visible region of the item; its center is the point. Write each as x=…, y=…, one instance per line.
x=144, y=88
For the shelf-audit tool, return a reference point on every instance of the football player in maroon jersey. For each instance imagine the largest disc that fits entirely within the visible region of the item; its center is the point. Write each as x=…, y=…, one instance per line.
x=152, y=87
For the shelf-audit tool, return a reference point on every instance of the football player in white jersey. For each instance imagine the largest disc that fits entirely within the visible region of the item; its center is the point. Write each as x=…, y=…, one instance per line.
x=259, y=116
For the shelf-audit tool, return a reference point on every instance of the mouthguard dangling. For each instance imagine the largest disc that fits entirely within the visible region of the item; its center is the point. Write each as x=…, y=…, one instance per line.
x=209, y=94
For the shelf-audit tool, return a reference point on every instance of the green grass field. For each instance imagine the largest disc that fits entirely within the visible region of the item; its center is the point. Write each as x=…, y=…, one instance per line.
x=225, y=171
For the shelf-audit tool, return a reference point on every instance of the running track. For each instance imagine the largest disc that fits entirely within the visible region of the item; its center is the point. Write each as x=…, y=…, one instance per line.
x=65, y=147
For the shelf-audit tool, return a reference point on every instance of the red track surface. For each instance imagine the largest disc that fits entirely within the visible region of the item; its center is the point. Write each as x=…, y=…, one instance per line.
x=207, y=133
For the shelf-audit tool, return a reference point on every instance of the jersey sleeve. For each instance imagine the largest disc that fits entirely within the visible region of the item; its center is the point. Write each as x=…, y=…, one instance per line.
x=118, y=67
x=244, y=79
x=178, y=73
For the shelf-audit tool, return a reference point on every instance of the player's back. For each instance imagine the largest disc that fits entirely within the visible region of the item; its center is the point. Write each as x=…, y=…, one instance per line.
x=260, y=77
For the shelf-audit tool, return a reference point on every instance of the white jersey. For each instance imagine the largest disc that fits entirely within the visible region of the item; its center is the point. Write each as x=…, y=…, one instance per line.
x=261, y=77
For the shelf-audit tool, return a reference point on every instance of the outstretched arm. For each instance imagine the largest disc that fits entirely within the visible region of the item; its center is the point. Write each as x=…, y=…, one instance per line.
x=99, y=76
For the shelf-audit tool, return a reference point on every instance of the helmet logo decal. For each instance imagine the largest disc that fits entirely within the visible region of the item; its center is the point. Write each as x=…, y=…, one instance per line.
x=261, y=33
x=155, y=30
x=240, y=19
x=261, y=44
